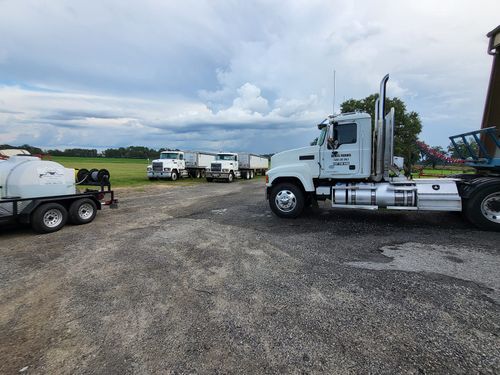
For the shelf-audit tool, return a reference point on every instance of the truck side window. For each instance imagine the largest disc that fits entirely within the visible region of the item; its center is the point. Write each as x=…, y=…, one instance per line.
x=345, y=133
x=181, y=157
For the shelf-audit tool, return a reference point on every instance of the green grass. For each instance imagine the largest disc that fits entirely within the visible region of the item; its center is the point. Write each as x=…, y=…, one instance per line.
x=443, y=172
x=123, y=172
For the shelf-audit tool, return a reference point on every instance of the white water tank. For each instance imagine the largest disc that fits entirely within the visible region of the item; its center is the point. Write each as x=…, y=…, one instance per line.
x=30, y=177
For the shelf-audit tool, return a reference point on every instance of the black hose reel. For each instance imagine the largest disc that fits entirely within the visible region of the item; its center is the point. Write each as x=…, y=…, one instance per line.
x=92, y=177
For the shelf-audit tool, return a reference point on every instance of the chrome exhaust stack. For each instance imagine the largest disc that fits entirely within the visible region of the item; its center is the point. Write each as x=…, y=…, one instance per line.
x=380, y=133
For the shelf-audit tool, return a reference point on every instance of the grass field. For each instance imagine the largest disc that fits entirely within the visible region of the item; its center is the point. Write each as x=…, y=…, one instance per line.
x=132, y=172
x=124, y=172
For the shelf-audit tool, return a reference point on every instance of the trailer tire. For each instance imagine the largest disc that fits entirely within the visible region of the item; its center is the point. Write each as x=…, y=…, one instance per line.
x=174, y=176
x=483, y=208
x=82, y=211
x=197, y=174
x=49, y=217
x=287, y=200
x=251, y=175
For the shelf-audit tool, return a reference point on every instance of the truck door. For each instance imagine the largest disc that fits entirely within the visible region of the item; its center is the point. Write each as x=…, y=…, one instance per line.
x=340, y=156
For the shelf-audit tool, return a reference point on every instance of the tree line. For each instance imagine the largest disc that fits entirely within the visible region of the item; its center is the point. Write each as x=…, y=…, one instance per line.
x=133, y=152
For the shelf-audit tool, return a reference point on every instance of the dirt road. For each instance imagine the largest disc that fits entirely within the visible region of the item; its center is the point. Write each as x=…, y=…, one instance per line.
x=204, y=279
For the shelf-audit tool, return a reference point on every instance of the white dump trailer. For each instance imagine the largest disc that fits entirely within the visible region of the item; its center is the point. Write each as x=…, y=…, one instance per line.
x=43, y=193
x=197, y=162
x=251, y=165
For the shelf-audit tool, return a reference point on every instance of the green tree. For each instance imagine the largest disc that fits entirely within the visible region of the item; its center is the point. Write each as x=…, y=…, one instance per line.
x=407, y=125
x=462, y=149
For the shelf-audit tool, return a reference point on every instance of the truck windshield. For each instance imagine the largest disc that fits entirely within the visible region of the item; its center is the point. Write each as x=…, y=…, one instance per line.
x=319, y=140
x=169, y=155
x=224, y=157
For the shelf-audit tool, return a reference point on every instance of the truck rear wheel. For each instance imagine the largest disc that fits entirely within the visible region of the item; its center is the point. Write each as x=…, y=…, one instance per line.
x=49, y=217
x=483, y=208
x=286, y=200
x=82, y=211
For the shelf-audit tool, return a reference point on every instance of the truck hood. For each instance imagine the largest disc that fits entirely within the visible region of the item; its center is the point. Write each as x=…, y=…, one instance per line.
x=167, y=162
x=292, y=156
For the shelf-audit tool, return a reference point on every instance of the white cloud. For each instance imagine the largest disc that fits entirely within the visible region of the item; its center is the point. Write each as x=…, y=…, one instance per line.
x=201, y=73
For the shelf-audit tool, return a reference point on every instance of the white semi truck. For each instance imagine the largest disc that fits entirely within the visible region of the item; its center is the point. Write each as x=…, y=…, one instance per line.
x=353, y=167
x=228, y=166
x=175, y=164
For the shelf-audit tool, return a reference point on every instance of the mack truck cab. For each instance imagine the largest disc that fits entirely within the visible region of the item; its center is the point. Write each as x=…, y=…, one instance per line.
x=170, y=165
x=224, y=167
x=353, y=166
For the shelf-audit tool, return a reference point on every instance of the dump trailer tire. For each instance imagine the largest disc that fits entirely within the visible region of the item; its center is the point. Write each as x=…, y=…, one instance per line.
x=483, y=208
x=287, y=200
x=82, y=211
x=197, y=174
x=49, y=217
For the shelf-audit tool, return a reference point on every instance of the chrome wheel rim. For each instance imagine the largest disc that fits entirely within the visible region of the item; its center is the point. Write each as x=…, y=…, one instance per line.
x=490, y=207
x=174, y=176
x=285, y=200
x=52, y=218
x=85, y=211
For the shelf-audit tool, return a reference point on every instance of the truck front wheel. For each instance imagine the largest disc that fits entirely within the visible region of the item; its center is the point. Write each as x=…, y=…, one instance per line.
x=483, y=208
x=286, y=200
x=49, y=217
x=230, y=178
x=174, y=175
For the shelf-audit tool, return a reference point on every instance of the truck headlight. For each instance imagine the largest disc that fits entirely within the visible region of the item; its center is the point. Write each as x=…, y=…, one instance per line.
x=150, y=169
x=166, y=169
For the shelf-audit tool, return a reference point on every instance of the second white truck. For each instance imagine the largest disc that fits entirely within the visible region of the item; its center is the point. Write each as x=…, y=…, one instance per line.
x=175, y=164
x=228, y=166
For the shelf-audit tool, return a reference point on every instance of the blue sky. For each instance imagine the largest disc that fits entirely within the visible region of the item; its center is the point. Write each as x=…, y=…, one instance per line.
x=242, y=76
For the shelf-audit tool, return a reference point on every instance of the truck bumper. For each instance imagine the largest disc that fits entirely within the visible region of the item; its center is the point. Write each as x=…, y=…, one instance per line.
x=159, y=174
x=211, y=174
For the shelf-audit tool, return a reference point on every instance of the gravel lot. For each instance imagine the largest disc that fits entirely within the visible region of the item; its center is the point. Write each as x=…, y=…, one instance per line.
x=204, y=279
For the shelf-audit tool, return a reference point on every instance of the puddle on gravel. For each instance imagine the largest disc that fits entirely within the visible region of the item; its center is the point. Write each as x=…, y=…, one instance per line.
x=459, y=262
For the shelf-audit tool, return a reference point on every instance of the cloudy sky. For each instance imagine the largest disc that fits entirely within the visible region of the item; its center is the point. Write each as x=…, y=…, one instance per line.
x=233, y=75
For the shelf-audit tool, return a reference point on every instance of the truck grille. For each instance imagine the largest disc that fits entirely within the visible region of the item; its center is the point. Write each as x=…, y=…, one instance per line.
x=216, y=167
x=157, y=167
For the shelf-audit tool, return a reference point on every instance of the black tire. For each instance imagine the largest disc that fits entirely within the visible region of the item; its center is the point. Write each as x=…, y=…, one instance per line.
x=209, y=179
x=230, y=178
x=293, y=193
x=251, y=175
x=197, y=174
x=174, y=176
x=82, y=211
x=487, y=198
x=49, y=217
